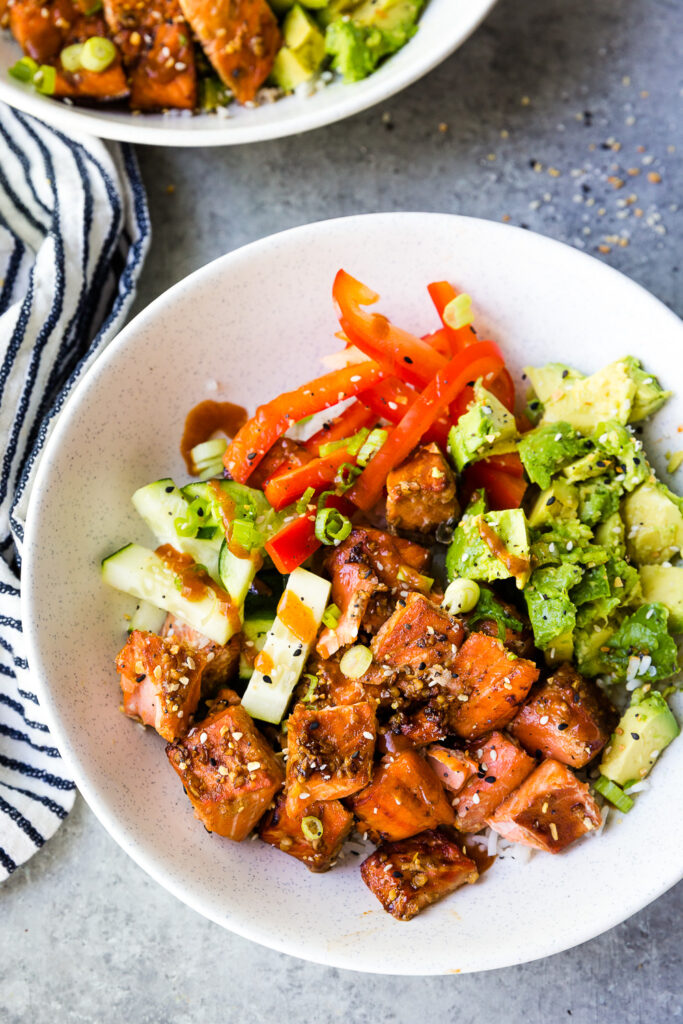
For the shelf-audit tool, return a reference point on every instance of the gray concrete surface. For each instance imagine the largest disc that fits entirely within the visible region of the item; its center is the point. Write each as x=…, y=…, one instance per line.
x=540, y=118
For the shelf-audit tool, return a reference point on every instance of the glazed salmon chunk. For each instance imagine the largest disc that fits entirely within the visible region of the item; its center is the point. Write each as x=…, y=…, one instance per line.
x=353, y=584
x=405, y=797
x=240, y=38
x=453, y=767
x=157, y=51
x=221, y=661
x=286, y=831
x=228, y=770
x=329, y=752
x=409, y=875
x=500, y=767
x=421, y=492
x=161, y=682
x=495, y=683
x=548, y=811
x=568, y=719
x=419, y=635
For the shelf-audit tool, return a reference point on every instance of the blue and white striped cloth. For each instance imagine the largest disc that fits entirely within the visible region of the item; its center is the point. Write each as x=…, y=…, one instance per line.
x=74, y=231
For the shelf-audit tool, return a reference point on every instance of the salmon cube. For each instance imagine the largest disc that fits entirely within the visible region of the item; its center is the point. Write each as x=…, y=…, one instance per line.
x=353, y=584
x=397, y=563
x=419, y=635
x=501, y=766
x=405, y=797
x=407, y=876
x=453, y=767
x=228, y=771
x=549, y=811
x=421, y=491
x=567, y=719
x=161, y=682
x=281, y=829
x=221, y=661
x=329, y=752
x=495, y=683
x=428, y=725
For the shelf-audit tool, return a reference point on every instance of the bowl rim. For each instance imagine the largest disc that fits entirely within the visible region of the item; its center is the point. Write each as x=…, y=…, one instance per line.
x=583, y=932
x=361, y=95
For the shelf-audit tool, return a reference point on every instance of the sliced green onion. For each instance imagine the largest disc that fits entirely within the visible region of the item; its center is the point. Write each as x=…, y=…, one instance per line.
x=374, y=441
x=354, y=443
x=425, y=582
x=210, y=469
x=356, y=661
x=207, y=451
x=331, y=527
x=206, y=532
x=461, y=596
x=312, y=828
x=71, y=57
x=24, y=69
x=195, y=517
x=347, y=475
x=305, y=500
x=98, y=53
x=312, y=686
x=613, y=793
x=242, y=532
x=45, y=79
x=331, y=616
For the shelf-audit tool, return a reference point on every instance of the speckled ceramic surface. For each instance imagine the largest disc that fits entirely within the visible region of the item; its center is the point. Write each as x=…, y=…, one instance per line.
x=444, y=26
x=253, y=323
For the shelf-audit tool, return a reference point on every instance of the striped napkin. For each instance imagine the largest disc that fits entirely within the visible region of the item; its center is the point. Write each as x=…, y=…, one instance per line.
x=74, y=232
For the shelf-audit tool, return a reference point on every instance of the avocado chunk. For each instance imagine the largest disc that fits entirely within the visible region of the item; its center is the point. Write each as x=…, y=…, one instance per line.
x=352, y=56
x=650, y=395
x=653, y=523
x=584, y=403
x=664, y=583
x=598, y=500
x=568, y=541
x=610, y=534
x=505, y=555
x=645, y=729
x=303, y=51
x=588, y=648
x=643, y=647
x=367, y=32
x=559, y=501
x=546, y=380
x=485, y=423
x=396, y=19
x=333, y=10
x=551, y=611
x=255, y=630
x=546, y=449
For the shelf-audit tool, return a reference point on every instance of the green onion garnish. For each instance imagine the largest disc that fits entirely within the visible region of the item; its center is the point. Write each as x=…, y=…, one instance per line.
x=331, y=527
x=613, y=793
x=312, y=828
x=45, y=79
x=347, y=475
x=305, y=500
x=24, y=69
x=242, y=532
x=331, y=616
x=353, y=444
x=312, y=686
x=98, y=53
x=372, y=445
x=71, y=57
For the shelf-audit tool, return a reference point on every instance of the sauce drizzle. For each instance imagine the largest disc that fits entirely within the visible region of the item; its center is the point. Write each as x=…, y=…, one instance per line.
x=516, y=566
x=195, y=582
x=204, y=420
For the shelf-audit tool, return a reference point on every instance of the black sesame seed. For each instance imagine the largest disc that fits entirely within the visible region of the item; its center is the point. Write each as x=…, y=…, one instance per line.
x=169, y=489
x=490, y=778
x=297, y=653
x=562, y=726
x=565, y=373
x=422, y=666
x=139, y=679
x=267, y=679
x=551, y=500
x=407, y=359
x=251, y=456
x=313, y=726
x=635, y=736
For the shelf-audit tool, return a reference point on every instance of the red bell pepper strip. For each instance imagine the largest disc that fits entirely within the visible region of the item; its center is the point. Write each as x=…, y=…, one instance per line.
x=441, y=293
x=475, y=361
x=391, y=399
x=401, y=353
x=440, y=340
x=296, y=541
x=272, y=419
x=284, y=488
x=353, y=419
x=510, y=463
x=503, y=489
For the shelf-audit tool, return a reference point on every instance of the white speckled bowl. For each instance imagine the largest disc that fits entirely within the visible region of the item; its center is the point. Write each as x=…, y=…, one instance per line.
x=257, y=321
x=444, y=26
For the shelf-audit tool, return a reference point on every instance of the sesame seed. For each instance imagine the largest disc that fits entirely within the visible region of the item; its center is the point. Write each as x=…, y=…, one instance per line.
x=544, y=720
x=463, y=697
x=553, y=830
x=202, y=738
x=304, y=796
x=544, y=808
x=222, y=770
x=157, y=672
x=368, y=736
x=475, y=798
x=237, y=735
x=253, y=766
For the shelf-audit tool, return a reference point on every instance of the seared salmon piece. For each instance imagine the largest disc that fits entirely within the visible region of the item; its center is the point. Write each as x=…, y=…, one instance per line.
x=453, y=767
x=407, y=876
x=419, y=635
x=353, y=584
x=549, y=811
x=398, y=563
x=240, y=38
x=427, y=725
x=495, y=683
x=380, y=607
x=161, y=682
x=421, y=492
x=284, y=831
x=221, y=661
x=228, y=770
x=329, y=752
x=43, y=28
x=405, y=797
x=501, y=765
x=567, y=718
x=157, y=51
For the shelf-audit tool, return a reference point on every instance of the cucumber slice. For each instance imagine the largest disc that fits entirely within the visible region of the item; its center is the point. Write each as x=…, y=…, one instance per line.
x=236, y=575
x=255, y=630
x=147, y=618
x=140, y=572
x=267, y=697
x=160, y=504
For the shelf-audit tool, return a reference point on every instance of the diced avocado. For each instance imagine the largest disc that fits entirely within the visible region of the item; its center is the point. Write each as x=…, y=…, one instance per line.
x=589, y=466
x=347, y=44
x=650, y=395
x=653, y=523
x=551, y=611
x=568, y=541
x=589, y=642
x=547, y=380
x=561, y=649
x=598, y=500
x=619, y=444
x=255, y=630
x=559, y=501
x=471, y=557
x=486, y=423
x=605, y=395
x=610, y=534
x=644, y=730
x=546, y=449
x=643, y=644
x=664, y=583
x=478, y=503
x=303, y=51
x=289, y=69
x=594, y=584
x=396, y=19
x=334, y=9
